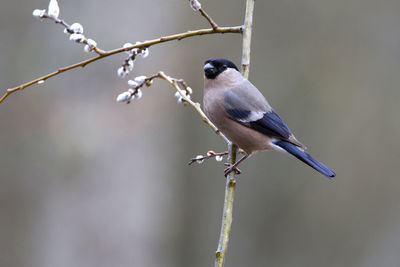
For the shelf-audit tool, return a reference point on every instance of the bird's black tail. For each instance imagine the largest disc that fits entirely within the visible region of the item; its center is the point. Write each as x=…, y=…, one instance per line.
x=305, y=157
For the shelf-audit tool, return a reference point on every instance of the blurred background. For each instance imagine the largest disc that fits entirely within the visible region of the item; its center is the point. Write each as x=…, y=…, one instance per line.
x=86, y=181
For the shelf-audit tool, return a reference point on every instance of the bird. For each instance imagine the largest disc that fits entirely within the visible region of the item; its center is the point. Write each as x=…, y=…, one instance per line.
x=244, y=116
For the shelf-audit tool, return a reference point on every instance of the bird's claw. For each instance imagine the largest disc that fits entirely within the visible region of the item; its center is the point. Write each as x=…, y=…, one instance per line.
x=230, y=169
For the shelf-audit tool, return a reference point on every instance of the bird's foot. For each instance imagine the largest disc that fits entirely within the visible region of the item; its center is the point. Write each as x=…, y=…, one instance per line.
x=230, y=169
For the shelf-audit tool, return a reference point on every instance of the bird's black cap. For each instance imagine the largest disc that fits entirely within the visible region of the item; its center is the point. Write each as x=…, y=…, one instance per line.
x=214, y=66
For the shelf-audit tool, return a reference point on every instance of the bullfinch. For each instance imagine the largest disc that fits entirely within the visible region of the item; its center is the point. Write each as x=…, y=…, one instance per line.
x=243, y=115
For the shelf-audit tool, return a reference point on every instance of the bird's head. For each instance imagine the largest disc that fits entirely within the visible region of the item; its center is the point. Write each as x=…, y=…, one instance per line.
x=215, y=66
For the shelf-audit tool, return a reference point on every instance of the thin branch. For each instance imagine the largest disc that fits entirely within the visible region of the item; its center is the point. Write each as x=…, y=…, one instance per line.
x=179, y=36
x=211, y=154
x=196, y=106
x=208, y=18
x=246, y=46
x=68, y=29
x=231, y=180
x=227, y=211
x=184, y=91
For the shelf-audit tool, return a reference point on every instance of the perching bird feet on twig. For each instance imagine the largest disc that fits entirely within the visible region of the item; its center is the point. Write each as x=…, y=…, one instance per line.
x=231, y=168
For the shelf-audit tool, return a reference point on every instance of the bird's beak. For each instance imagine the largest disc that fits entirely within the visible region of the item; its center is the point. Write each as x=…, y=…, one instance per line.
x=209, y=70
x=208, y=67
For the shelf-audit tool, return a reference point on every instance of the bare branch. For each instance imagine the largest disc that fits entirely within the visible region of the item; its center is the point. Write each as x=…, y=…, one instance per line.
x=211, y=154
x=196, y=6
x=209, y=19
x=247, y=30
x=68, y=29
x=183, y=90
x=231, y=180
x=196, y=106
x=104, y=54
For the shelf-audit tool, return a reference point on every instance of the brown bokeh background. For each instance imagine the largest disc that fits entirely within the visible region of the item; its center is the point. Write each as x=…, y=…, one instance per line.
x=86, y=181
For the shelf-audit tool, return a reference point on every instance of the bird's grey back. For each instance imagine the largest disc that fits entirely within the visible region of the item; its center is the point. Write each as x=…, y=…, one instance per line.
x=245, y=96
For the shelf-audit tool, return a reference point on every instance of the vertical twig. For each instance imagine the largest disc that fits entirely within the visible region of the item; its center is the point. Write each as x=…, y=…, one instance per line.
x=246, y=47
x=231, y=180
x=227, y=213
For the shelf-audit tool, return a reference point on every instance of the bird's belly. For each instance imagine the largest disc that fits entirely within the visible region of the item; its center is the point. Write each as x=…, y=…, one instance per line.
x=247, y=139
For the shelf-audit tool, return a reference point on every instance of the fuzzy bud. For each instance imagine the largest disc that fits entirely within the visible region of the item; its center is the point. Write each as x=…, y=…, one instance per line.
x=121, y=72
x=54, y=9
x=181, y=101
x=39, y=13
x=140, y=79
x=77, y=37
x=123, y=97
x=91, y=44
x=139, y=94
x=129, y=52
x=127, y=45
x=177, y=95
x=76, y=28
x=195, y=5
x=145, y=53
x=130, y=64
x=199, y=159
x=132, y=84
x=219, y=158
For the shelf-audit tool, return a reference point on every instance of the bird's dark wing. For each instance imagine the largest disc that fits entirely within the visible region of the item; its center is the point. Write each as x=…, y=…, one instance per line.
x=271, y=124
x=255, y=114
